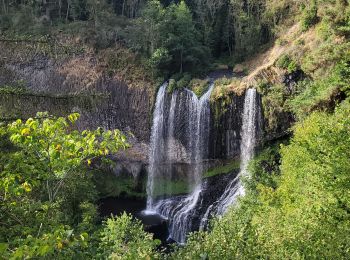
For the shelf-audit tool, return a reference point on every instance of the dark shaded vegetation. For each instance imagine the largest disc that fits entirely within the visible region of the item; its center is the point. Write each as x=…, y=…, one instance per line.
x=170, y=37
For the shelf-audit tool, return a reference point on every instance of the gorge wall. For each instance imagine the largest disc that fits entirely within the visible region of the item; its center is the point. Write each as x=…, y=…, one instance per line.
x=104, y=101
x=83, y=83
x=76, y=83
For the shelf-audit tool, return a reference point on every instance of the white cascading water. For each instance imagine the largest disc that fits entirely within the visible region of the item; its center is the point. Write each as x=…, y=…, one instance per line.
x=248, y=135
x=179, y=210
x=156, y=156
x=171, y=140
x=248, y=141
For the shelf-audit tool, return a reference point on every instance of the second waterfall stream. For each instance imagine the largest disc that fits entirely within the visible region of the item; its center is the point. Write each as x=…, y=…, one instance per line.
x=180, y=133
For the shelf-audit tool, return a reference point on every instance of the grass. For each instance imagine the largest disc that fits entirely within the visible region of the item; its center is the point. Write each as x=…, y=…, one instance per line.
x=171, y=188
x=109, y=185
x=12, y=90
x=224, y=169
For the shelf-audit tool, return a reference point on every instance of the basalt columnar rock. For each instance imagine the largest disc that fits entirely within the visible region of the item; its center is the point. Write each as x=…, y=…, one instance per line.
x=226, y=124
x=78, y=83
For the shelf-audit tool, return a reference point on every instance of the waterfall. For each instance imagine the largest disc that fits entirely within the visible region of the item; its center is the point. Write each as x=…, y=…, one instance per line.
x=189, y=115
x=171, y=140
x=157, y=145
x=250, y=127
x=248, y=141
x=180, y=134
x=180, y=213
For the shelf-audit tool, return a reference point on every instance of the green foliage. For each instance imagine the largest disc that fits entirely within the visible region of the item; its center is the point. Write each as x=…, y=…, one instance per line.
x=224, y=81
x=169, y=38
x=247, y=25
x=177, y=37
x=124, y=238
x=60, y=243
x=309, y=15
x=297, y=203
x=292, y=67
x=179, y=81
x=320, y=93
x=159, y=58
x=224, y=169
x=45, y=184
x=230, y=236
x=184, y=81
x=299, y=210
x=198, y=86
x=325, y=64
x=16, y=89
x=285, y=62
x=88, y=216
x=172, y=85
x=264, y=168
x=274, y=106
x=308, y=214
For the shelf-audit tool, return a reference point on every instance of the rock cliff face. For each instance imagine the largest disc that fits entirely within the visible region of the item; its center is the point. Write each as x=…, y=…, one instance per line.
x=226, y=125
x=76, y=84
x=83, y=83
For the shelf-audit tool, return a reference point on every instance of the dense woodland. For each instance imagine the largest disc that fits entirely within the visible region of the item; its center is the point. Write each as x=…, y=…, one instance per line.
x=297, y=204
x=169, y=36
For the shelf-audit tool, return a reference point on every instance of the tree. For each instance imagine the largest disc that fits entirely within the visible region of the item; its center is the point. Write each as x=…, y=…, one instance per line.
x=45, y=180
x=209, y=13
x=144, y=34
x=169, y=39
x=180, y=37
x=124, y=238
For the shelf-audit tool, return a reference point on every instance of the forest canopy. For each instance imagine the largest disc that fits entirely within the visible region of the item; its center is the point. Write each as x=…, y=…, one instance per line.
x=170, y=36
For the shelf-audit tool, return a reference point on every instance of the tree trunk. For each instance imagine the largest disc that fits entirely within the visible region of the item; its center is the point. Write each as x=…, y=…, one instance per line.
x=67, y=13
x=4, y=6
x=46, y=6
x=181, y=57
x=123, y=7
x=60, y=9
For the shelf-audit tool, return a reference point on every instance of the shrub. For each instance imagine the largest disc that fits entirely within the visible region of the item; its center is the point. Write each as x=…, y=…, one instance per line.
x=264, y=168
x=292, y=67
x=199, y=86
x=124, y=238
x=159, y=58
x=287, y=63
x=179, y=81
x=320, y=93
x=263, y=87
x=184, y=81
x=309, y=16
x=171, y=85
x=283, y=62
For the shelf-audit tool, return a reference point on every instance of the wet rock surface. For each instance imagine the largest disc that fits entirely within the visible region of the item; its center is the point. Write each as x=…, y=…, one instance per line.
x=225, y=128
x=213, y=188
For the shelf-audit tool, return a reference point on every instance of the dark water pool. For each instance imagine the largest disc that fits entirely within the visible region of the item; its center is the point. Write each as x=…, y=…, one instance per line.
x=153, y=223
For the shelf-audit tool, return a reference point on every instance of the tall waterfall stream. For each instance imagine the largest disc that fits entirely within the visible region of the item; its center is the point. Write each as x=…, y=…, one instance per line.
x=182, y=115
x=249, y=130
